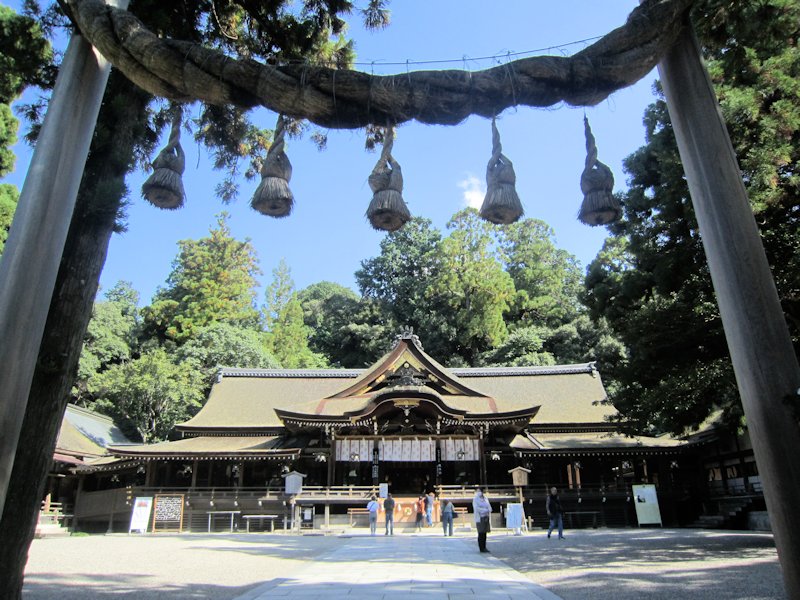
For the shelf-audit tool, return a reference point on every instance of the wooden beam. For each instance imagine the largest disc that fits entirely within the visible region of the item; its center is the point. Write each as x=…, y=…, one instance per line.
x=36, y=240
x=758, y=340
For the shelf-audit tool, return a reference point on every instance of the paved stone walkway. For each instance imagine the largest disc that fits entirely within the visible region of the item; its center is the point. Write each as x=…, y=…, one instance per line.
x=404, y=566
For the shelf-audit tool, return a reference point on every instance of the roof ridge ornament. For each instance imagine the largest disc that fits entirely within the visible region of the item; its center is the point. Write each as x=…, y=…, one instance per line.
x=408, y=334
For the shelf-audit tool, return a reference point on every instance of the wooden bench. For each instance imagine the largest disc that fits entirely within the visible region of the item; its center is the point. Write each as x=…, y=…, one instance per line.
x=270, y=518
x=579, y=514
x=354, y=513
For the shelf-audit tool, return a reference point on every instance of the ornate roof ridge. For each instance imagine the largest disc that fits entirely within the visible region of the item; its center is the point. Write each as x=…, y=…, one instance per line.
x=291, y=373
x=458, y=371
x=521, y=371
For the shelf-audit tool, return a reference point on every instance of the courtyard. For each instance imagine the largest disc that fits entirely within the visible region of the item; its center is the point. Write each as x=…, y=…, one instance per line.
x=596, y=564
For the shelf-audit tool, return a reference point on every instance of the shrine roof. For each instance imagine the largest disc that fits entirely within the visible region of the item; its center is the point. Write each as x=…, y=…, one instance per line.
x=85, y=433
x=592, y=442
x=206, y=447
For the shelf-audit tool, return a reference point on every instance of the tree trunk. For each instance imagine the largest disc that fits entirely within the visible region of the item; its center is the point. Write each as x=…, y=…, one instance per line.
x=120, y=128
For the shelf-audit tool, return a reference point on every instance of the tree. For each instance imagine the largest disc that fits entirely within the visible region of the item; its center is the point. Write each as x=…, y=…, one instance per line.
x=149, y=395
x=547, y=279
x=288, y=339
x=8, y=204
x=473, y=287
x=25, y=57
x=111, y=337
x=212, y=279
x=400, y=281
x=652, y=283
x=278, y=293
x=327, y=307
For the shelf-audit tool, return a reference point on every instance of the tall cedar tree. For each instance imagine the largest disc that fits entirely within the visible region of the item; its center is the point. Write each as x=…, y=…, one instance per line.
x=651, y=280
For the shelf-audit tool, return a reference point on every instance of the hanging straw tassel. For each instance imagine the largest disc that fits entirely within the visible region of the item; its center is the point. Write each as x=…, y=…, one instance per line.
x=597, y=181
x=273, y=196
x=387, y=211
x=501, y=204
x=164, y=187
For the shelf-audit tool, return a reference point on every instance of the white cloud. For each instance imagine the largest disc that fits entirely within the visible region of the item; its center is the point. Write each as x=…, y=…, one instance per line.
x=473, y=191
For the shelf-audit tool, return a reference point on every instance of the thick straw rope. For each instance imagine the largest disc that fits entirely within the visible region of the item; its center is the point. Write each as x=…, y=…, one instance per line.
x=351, y=99
x=501, y=205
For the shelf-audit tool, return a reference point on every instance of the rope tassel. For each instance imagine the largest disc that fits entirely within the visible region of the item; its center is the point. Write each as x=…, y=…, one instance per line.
x=273, y=196
x=599, y=206
x=501, y=205
x=164, y=187
x=387, y=211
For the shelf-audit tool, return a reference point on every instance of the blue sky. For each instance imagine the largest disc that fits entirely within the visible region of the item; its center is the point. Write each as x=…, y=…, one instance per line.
x=327, y=236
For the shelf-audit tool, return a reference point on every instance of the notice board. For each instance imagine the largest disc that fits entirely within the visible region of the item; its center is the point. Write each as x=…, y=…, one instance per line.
x=140, y=516
x=645, y=500
x=168, y=512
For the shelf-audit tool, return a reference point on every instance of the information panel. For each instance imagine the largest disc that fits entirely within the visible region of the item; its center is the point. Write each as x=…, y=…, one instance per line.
x=140, y=517
x=645, y=500
x=168, y=512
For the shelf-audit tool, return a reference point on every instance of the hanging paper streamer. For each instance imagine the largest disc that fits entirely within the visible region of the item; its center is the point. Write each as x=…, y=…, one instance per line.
x=387, y=211
x=164, y=187
x=273, y=196
x=599, y=206
x=501, y=204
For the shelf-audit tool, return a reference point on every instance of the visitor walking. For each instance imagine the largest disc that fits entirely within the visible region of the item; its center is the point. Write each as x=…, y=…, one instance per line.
x=372, y=507
x=388, y=508
x=429, y=500
x=482, y=510
x=448, y=512
x=555, y=512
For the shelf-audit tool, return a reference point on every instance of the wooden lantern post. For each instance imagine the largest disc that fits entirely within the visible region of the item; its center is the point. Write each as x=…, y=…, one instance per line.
x=763, y=358
x=36, y=241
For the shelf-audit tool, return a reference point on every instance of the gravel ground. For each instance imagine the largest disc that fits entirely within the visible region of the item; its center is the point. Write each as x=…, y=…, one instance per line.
x=604, y=564
x=622, y=564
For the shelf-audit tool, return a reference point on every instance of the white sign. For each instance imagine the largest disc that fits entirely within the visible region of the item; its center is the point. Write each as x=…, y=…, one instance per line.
x=645, y=499
x=140, y=517
x=515, y=517
x=383, y=490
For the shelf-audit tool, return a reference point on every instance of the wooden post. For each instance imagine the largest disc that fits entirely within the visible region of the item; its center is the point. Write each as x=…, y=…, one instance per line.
x=36, y=240
x=758, y=340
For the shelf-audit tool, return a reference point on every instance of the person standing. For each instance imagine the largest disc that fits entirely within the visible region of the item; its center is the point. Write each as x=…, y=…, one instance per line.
x=555, y=512
x=372, y=507
x=447, y=517
x=419, y=506
x=388, y=507
x=483, y=511
x=429, y=500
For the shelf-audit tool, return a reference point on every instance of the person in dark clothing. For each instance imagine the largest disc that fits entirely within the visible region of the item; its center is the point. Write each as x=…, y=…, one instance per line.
x=555, y=512
x=388, y=507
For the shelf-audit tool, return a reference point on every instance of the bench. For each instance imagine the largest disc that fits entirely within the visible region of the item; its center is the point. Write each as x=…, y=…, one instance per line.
x=270, y=518
x=579, y=514
x=353, y=513
x=215, y=513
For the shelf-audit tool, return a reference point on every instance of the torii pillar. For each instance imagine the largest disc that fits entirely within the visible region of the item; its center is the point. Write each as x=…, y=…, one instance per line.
x=763, y=357
x=36, y=241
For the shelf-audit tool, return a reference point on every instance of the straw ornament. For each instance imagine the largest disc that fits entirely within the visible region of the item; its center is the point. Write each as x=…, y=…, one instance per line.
x=273, y=196
x=387, y=211
x=599, y=206
x=164, y=187
x=501, y=204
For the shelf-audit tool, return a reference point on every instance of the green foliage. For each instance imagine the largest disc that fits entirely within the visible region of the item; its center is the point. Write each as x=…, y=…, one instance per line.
x=149, y=395
x=226, y=345
x=25, y=55
x=651, y=280
x=288, y=338
x=523, y=348
x=8, y=205
x=472, y=285
x=212, y=279
x=547, y=279
x=278, y=294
